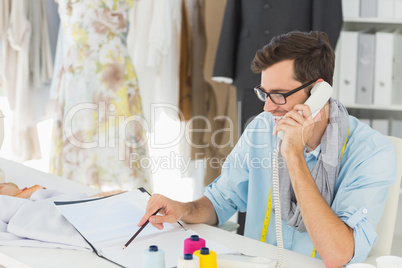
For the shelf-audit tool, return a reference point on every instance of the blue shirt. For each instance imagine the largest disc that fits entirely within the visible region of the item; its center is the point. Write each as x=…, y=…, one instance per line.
x=367, y=170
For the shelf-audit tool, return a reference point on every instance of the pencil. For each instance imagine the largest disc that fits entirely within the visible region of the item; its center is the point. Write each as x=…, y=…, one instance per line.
x=139, y=230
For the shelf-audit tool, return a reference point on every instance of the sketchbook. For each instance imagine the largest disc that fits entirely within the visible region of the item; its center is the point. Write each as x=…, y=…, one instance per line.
x=107, y=223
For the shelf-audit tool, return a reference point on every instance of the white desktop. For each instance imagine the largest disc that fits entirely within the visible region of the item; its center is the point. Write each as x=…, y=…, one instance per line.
x=41, y=257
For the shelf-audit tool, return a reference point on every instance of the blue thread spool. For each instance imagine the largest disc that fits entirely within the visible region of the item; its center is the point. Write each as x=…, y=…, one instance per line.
x=153, y=257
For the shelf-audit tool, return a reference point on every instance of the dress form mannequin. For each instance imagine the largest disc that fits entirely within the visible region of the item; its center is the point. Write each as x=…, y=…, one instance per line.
x=99, y=135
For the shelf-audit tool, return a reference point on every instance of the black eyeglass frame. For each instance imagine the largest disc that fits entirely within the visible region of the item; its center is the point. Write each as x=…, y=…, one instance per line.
x=284, y=95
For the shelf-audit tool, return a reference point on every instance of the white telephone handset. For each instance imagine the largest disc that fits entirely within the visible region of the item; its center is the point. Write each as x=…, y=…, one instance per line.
x=320, y=94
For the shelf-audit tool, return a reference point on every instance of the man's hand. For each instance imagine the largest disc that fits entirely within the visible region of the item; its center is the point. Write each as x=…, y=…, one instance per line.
x=199, y=211
x=171, y=210
x=298, y=129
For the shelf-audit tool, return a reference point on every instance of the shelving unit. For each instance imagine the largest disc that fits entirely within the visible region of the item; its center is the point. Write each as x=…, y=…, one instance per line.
x=364, y=111
x=391, y=21
x=370, y=111
x=393, y=108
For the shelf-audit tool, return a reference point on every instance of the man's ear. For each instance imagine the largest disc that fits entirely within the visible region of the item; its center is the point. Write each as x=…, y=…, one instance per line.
x=308, y=89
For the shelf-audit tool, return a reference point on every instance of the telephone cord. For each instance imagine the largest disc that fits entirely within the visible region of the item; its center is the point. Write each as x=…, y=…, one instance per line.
x=277, y=205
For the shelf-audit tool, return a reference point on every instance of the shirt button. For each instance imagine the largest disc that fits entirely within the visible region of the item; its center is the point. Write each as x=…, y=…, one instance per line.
x=267, y=32
x=364, y=211
x=266, y=6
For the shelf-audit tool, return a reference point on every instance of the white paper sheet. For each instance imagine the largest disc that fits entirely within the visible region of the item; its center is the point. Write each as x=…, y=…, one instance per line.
x=108, y=223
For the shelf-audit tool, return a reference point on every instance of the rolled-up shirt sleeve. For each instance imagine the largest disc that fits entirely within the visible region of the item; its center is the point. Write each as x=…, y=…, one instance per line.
x=362, y=190
x=228, y=193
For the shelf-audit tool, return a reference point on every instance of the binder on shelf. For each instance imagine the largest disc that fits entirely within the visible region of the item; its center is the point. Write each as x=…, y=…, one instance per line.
x=384, y=53
x=351, y=8
x=365, y=68
x=348, y=67
x=385, y=9
x=397, y=70
x=368, y=8
x=398, y=9
x=381, y=125
x=396, y=127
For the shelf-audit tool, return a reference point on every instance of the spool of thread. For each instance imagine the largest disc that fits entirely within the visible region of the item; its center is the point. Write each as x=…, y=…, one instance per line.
x=153, y=258
x=188, y=261
x=207, y=258
x=193, y=243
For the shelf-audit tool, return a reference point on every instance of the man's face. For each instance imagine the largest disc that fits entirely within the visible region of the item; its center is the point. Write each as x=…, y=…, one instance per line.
x=279, y=78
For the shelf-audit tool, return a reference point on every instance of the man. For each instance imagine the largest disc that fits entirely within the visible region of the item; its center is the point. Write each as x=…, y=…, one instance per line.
x=337, y=170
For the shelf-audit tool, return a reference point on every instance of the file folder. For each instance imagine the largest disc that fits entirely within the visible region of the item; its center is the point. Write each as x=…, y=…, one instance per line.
x=385, y=9
x=387, y=67
x=397, y=71
x=365, y=68
x=396, y=127
x=348, y=67
x=351, y=8
x=398, y=9
x=368, y=8
x=384, y=53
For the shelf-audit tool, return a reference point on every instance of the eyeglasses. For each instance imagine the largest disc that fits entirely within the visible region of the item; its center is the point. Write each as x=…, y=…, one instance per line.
x=278, y=98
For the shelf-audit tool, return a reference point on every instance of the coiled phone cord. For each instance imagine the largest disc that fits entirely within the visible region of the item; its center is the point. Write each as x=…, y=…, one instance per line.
x=277, y=205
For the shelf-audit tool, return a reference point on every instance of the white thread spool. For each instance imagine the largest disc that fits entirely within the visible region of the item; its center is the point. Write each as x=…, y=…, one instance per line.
x=153, y=258
x=188, y=261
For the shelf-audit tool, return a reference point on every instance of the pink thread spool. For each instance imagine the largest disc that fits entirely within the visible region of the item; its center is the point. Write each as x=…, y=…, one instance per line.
x=193, y=243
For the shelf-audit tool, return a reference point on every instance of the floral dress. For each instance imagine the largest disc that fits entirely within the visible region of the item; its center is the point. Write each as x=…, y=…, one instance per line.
x=99, y=133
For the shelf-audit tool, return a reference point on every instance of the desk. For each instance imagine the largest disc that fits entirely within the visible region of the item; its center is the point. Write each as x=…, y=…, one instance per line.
x=42, y=258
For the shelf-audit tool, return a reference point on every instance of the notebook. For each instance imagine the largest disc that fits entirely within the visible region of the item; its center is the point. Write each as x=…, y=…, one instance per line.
x=107, y=223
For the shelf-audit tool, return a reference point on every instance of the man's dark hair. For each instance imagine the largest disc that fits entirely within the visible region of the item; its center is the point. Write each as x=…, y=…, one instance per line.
x=311, y=51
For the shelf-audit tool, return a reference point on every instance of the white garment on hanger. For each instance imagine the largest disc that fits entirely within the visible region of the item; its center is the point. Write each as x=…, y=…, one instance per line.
x=26, y=65
x=61, y=52
x=8, y=61
x=19, y=34
x=28, y=36
x=154, y=46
